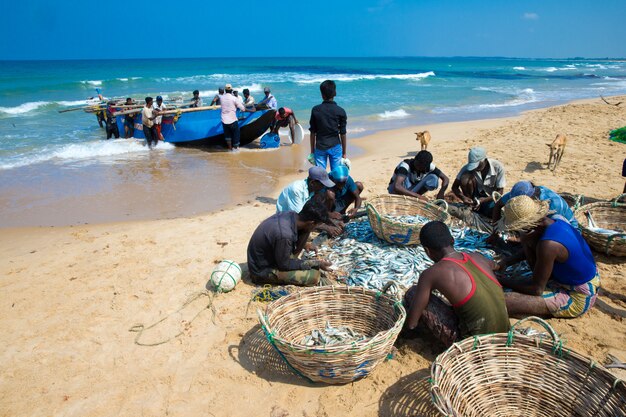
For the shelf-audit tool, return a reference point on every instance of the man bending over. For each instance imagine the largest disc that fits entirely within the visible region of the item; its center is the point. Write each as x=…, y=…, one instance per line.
x=565, y=279
x=276, y=243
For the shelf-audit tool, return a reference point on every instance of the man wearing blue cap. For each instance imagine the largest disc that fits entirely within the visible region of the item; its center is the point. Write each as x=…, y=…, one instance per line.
x=557, y=204
x=346, y=191
x=478, y=180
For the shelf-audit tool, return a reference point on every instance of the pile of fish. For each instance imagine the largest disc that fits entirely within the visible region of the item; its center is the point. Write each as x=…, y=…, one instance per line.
x=408, y=219
x=362, y=259
x=330, y=336
x=519, y=270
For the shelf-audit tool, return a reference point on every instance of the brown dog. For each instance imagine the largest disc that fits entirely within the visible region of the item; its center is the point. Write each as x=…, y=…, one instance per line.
x=424, y=138
x=557, y=149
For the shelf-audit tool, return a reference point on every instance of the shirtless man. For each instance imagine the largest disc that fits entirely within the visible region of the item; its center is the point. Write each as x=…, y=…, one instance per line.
x=466, y=280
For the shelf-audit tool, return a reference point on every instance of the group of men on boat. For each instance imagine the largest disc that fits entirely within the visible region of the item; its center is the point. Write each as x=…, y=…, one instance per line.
x=539, y=225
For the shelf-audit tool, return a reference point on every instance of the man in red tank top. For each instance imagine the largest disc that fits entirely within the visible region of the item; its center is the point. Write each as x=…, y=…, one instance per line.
x=466, y=281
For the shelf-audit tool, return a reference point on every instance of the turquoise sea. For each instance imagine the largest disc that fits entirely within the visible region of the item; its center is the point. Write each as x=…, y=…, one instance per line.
x=51, y=161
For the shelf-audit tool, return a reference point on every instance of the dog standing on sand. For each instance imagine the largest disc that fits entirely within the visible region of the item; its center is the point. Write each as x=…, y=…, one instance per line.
x=557, y=148
x=424, y=138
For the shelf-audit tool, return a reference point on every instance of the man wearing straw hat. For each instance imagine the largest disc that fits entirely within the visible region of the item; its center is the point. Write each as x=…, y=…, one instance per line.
x=565, y=278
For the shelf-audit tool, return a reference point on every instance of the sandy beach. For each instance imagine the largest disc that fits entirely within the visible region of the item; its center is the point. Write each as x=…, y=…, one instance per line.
x=71, y=294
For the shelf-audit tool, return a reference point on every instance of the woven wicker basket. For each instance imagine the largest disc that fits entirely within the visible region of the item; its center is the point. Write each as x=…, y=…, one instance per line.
x=399, y=205
x=512, y=374
x=287, y=320
x=607, y=215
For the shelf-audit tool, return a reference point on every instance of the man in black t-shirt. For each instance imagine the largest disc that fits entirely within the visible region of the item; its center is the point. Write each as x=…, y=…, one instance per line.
x=328, y=129
x=413, y=177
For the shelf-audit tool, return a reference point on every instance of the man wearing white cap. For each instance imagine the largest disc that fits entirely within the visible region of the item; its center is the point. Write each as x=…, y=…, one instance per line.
x=478, y=180
x=230, y=104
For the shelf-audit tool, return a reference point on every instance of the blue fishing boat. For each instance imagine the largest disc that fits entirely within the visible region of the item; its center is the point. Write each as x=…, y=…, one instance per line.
x=204, y=127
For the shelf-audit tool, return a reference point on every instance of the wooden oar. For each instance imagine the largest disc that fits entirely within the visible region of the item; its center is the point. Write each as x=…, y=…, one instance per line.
x=172, y=111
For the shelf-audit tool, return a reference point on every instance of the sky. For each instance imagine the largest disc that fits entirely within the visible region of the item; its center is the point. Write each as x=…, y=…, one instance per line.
x=87, y=29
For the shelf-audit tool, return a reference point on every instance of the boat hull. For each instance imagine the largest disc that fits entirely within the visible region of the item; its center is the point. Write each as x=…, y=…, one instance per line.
x=204, y=128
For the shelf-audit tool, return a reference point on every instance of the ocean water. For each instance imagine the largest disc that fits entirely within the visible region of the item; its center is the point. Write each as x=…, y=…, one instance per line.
x=378, y=93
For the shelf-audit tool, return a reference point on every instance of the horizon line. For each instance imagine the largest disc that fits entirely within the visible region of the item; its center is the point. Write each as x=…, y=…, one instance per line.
x=322, y=57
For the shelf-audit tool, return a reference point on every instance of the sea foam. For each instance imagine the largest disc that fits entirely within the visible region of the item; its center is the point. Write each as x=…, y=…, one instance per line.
x=396, y=114
x=23, y=108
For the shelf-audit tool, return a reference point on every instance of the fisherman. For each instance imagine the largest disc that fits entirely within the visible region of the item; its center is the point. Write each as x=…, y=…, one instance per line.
x=558, y=205
x=285, y=117
x=276, y=243
x=413, y=177
x=216, y=99
x=565, y=279
x=316, y=185
x=159, y=107
x=328, y=129
x=230, y=104
x=346, y=191
x=129, y=120
x=466, y=280
x=147, y=118
x=111, y=122
x=269, y=102
x=478, y=180
x=475, y=186
x=624, y=174
x=248, y=101
x=196, y=101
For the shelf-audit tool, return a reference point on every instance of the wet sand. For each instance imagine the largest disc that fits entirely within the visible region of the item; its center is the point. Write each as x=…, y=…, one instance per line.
x=179, y=182
x=71, y=294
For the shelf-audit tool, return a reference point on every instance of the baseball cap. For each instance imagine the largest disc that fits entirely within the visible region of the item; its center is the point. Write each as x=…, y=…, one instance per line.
x=320, y=174
x=523, y=188
x=475, y=157
x=228, y=87
x=340, y=173
x=266, y=90
x=159, y=98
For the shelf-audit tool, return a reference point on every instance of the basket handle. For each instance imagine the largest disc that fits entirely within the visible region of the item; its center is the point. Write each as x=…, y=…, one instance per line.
x=542, y=323
x=443, y=204
x=496, y=196
x=580, y=200
x=262, y=320
x=616, y=201
x=368, y=207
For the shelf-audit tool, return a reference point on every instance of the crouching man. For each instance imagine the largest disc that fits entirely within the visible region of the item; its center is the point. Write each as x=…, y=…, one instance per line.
x=276, y=243
x=466, y=280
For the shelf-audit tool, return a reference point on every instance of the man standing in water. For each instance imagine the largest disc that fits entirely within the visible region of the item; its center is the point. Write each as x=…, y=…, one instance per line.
x=230, y=104
x=147, y=118
x=328, y=129
x=159, y=119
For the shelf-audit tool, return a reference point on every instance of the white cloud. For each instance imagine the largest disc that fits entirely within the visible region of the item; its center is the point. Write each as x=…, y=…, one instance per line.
x=530, y=16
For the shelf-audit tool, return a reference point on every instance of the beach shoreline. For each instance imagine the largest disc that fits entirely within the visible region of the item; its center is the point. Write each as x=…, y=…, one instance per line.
x=71, y=294
x=139, y=191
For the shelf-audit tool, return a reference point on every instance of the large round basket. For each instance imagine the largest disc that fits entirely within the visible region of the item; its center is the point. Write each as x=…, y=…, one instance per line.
x=513, y=375
x=381, y=210
x=609, y=215
x=289, y=319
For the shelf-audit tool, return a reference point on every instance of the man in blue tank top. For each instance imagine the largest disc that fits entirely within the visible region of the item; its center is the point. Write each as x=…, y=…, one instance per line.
x=565, y=278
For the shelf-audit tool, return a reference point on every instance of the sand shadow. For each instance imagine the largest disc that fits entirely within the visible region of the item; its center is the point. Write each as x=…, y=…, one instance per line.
x=611, y=311
x=256, y=355
x=266, y=200
x=409, y=155
x=409, y=396
x=534, y=166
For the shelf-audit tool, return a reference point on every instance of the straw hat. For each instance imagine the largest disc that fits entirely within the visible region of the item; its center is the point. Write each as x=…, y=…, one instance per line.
x=524, y=213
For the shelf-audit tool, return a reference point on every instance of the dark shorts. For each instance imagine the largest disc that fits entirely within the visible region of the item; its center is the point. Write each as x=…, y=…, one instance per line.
x=150, y=134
